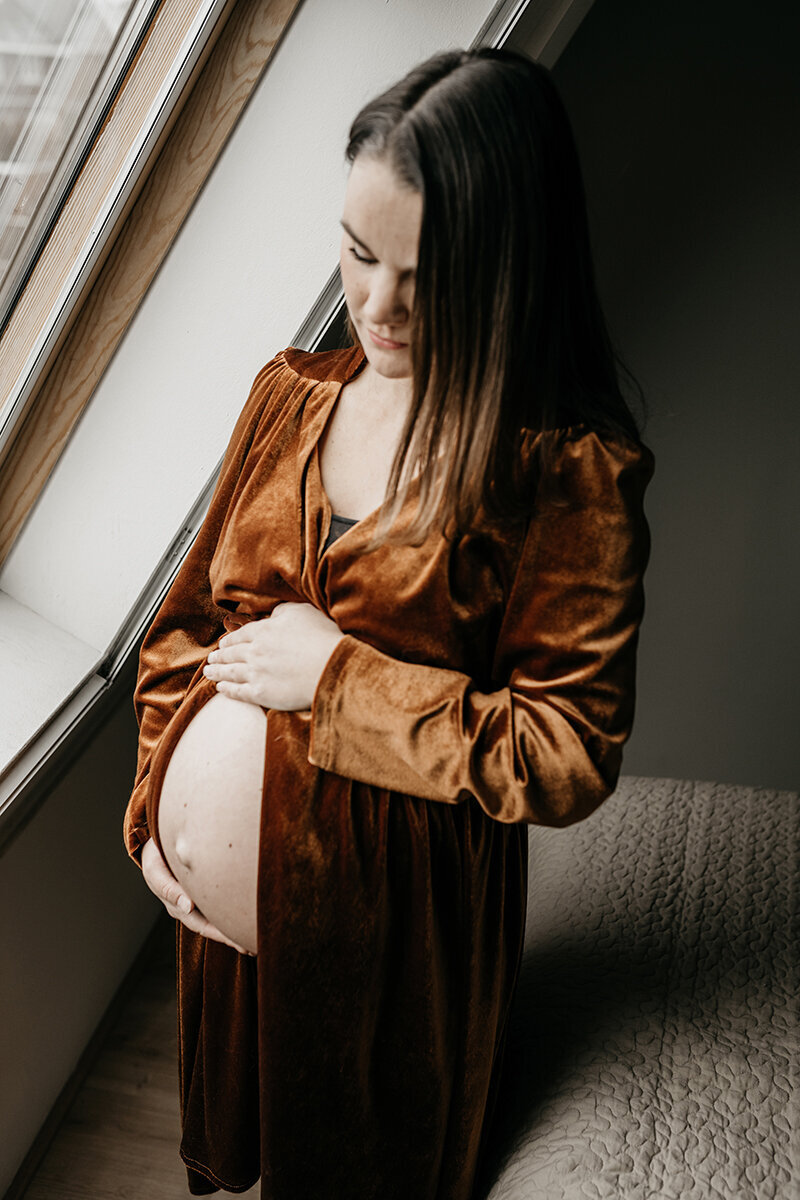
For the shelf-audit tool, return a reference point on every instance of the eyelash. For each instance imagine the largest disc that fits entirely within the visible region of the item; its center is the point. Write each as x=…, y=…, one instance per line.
x=360, y=257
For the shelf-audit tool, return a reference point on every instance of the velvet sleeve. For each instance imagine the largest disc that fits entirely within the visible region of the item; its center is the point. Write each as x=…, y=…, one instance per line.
x=188, y=623
x=545, y=744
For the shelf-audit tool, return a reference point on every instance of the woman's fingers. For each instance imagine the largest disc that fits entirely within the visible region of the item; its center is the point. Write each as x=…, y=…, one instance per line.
x=162, y=882
x=244, y=633
x=174, y=898
x=200, y=924
x=171, y=893
x=215, y=935
x=240, y=651
x=231, y=671
x=228, y=654
x=238, y=691
x=276, y=661
x=197, y=923
x=165, y=886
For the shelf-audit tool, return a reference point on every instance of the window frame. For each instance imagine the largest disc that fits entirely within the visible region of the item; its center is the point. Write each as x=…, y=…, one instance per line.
x=76, y=149
x=50, y=361
x=219, y=50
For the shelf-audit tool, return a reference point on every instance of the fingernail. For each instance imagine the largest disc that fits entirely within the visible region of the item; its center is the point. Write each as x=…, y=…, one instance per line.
x=185, y=904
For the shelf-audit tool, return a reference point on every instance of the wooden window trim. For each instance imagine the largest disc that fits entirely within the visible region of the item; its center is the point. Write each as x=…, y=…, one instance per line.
x=51, y=384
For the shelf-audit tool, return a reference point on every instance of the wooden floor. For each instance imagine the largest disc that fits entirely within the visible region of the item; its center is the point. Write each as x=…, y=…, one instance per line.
x=120, y=1138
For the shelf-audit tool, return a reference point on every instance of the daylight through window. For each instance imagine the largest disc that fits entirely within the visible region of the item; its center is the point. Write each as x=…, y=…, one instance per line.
x=59, y=63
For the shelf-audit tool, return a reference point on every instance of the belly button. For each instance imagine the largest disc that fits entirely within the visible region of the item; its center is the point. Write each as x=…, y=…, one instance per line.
x=183, y=852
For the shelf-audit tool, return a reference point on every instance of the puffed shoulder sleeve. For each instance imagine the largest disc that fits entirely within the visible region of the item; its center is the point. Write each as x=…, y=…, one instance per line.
x=188, y=623
x=544, y=746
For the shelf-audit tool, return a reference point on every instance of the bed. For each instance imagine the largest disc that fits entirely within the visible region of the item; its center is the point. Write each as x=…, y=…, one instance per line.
x=652, y=1048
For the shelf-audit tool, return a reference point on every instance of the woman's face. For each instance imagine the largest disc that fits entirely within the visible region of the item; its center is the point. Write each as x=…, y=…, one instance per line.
x=378, y=258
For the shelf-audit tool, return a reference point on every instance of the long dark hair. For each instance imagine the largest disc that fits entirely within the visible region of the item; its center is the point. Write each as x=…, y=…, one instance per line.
x=507, y=329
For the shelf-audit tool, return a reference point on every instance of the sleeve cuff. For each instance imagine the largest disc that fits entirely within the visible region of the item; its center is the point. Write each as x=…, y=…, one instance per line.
x=387, y=722
x=326, y=702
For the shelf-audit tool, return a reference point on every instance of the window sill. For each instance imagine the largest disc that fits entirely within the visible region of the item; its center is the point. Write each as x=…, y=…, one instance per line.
x=47, y=680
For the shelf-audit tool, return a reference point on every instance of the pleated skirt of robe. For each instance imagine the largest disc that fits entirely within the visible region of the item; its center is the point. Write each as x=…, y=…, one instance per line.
x=358, y=1056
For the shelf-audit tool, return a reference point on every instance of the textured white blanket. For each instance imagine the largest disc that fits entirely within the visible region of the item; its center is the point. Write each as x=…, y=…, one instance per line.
x=653, y=1045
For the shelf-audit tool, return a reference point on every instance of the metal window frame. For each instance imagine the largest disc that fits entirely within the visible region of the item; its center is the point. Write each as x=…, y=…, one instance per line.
x=78, y=147
x=13, y=406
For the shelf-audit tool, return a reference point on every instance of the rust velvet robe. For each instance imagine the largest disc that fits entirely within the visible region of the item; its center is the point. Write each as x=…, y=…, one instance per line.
x=485, y=682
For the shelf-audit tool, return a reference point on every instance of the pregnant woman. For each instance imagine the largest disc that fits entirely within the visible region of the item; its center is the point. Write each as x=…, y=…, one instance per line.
x=406, y=630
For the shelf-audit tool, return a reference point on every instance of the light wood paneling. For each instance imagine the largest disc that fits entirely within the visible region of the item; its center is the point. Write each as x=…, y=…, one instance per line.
x=224, y=85
x=88, y=196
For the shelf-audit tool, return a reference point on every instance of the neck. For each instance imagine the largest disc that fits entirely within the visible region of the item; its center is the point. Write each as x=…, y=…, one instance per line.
x=394, y=395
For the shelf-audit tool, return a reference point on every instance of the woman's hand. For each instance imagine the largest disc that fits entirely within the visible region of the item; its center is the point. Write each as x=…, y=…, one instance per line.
x=276, y=662
x=162, y=883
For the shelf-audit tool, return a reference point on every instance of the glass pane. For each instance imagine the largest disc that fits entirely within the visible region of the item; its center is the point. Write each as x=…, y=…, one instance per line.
x=57, y=65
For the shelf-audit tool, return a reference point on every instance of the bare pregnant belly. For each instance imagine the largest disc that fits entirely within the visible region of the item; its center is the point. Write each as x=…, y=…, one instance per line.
x=209, y=813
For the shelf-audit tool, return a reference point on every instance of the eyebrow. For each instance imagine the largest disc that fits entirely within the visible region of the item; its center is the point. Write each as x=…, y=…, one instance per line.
x=355, y=237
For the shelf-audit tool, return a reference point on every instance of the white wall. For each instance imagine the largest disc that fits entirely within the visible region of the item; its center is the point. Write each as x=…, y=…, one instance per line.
x=686, y=116
x=254, y=254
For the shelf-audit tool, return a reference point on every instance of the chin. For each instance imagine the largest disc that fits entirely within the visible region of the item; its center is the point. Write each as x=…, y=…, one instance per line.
x=393, y=364
x=390, y=370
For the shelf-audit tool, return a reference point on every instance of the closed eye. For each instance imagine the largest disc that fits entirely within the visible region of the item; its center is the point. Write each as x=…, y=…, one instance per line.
x=360, y=257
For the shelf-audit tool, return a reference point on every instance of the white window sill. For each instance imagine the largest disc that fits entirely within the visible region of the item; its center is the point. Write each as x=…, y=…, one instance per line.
x=41, y=668
x=48, y=682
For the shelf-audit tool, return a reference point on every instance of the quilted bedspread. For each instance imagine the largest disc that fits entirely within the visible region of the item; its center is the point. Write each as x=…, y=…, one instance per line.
x=652, y=1050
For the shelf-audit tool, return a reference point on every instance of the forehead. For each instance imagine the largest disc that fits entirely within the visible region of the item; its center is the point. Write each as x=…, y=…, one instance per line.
x=383, y=213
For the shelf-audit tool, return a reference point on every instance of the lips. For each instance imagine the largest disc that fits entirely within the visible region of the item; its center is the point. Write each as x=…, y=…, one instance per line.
x=386, y=343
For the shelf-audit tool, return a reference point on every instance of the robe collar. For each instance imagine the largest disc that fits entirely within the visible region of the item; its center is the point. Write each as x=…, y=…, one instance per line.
x=335, y=366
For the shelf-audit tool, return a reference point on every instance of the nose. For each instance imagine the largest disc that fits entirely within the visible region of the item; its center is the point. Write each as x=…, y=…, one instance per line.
x=388, y=302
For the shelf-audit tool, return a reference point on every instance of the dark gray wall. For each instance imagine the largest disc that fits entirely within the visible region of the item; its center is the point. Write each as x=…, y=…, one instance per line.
x=686, y=117
x=75, y=913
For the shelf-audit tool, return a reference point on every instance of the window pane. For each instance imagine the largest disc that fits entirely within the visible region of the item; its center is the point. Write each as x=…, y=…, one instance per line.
x=58, y=62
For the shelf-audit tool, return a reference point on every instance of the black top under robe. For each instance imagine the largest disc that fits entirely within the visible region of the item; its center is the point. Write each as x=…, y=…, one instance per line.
x=339, y=525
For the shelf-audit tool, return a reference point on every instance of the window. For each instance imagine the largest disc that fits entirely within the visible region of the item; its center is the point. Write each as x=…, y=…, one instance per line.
x=189, y=68
x=60, y=64
x=91, y=215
